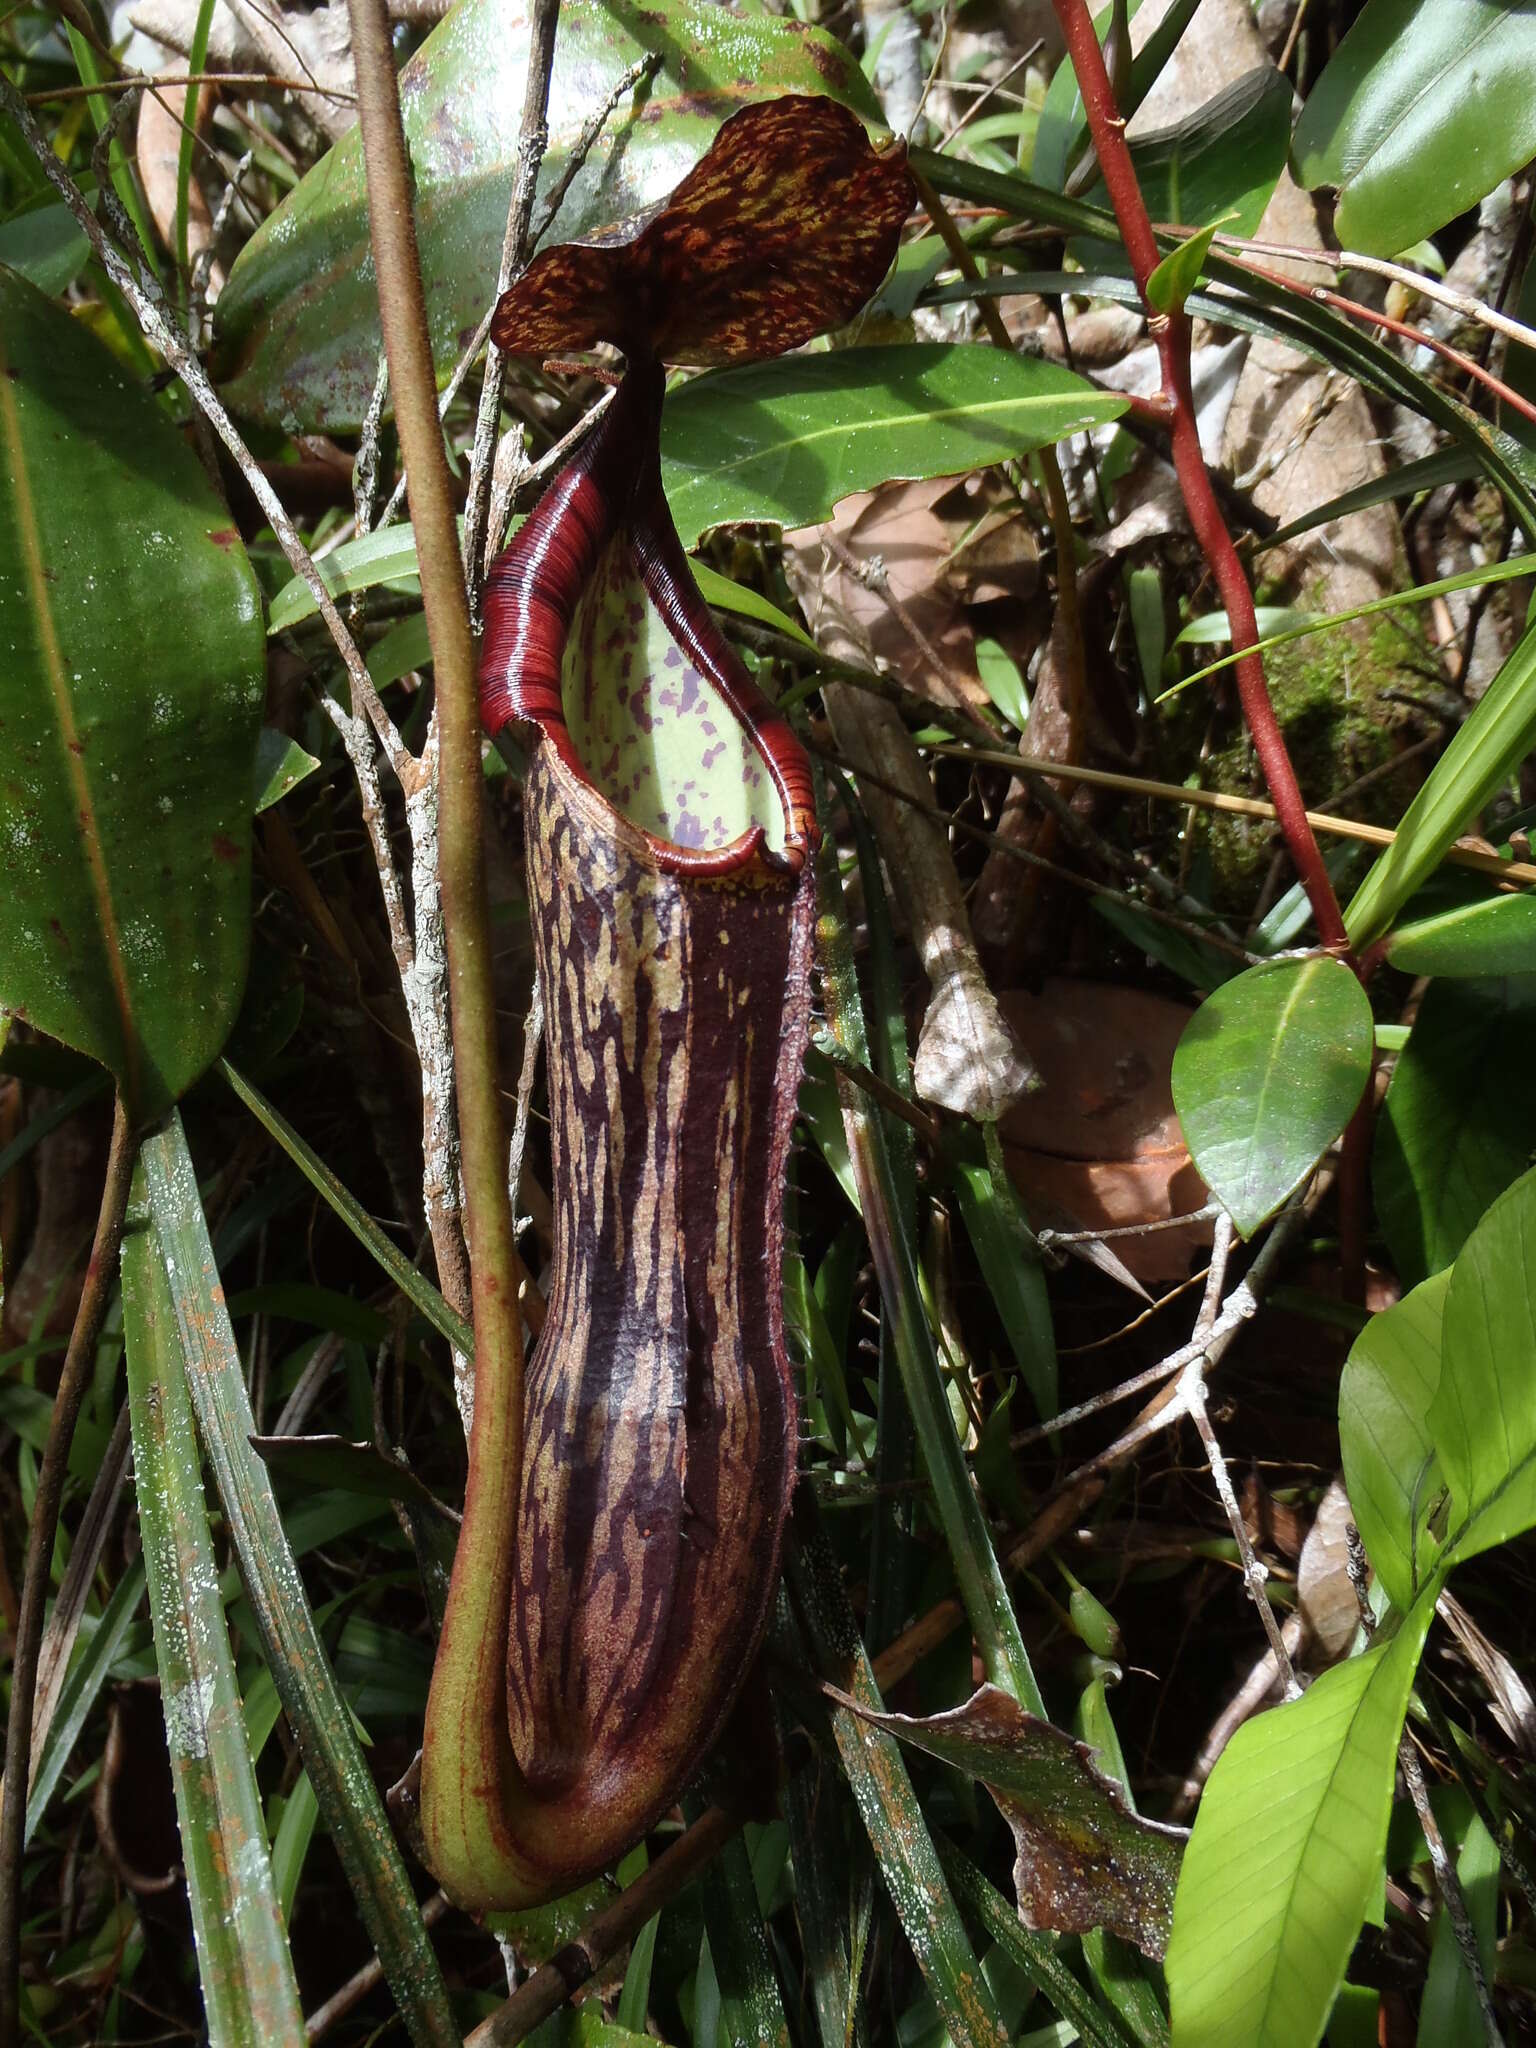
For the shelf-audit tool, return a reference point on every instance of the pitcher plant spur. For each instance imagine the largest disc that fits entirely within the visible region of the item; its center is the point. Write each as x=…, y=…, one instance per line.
x=607, y=1600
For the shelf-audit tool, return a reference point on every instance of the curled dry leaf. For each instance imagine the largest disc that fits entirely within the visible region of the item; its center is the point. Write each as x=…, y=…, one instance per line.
x=1085, y=1858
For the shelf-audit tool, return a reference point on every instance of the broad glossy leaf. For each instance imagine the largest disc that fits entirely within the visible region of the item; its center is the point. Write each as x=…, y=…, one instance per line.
x=783, y=441
x=249, y=1994
x=1085, y=1857
x=1267, y=1074
x=1497, y=735
x=297, y=328
x=130, y=699
x=1286, y=1853
x=1483, y=1418
x=1385, y=1394
x=1424, y=108
x=1459, y=1121
x=1494, y=936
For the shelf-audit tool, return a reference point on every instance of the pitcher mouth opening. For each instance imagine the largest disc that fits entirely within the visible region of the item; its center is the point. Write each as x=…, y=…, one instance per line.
x=598, y=637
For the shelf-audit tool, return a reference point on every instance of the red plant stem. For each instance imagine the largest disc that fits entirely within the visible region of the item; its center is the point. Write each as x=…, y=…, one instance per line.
x=1170, y=331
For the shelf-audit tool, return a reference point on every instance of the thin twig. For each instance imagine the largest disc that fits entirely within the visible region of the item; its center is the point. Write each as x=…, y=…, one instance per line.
x=1448, y=1884
x=1171, y=334
x=532, y=142
x=74, y=1382
x=357, y=1987
x=150, y=83
x=607, y=1931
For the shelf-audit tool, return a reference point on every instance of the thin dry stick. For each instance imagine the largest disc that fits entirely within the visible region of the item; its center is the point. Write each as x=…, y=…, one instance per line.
x=74, y=1380
x=1399, y=273
x=607, y=1932
x=1448, y=1884
x=357, y=1987
x=465, y=903
x=1218, y=800
x=1171, y=333
x=532, y=143
x=151, y=83
x=1191, y=1396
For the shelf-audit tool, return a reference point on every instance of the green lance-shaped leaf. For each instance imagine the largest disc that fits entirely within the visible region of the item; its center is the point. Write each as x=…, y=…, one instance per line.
x=1459, y=1122
x=1494, y=936
x=1390, y=1470
x=1085, y=1858
x=1482, y=1418
x=249, y=1993
x=297, y=339
x=782, y=442
x=301, y=1671
x=1286, y=1851
x=130, y=700
x=1424, y=108
x=1498, y=733
x=1267, y=1074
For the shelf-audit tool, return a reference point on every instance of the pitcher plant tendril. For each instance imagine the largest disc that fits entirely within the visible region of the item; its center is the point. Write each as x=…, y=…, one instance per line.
x=606, y=1606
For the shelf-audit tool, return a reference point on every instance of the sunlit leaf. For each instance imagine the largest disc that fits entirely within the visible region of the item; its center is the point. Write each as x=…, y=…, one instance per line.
x=1494, y=936
x=1385, y=1395
x=1286, y=1852
x=1424, y=108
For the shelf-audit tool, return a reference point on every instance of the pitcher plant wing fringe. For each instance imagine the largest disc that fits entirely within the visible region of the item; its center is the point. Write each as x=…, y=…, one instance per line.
x=608, y=1599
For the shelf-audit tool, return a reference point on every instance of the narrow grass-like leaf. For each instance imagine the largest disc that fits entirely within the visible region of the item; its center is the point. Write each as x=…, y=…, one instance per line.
x=416, y=1287
x=1010, y=1262
x=386, y=556
x=977, y=1572
x=81, y=1689
x=1459, y=1122
x=301, y=1671
x=1285, y=1853
x=1266, y=1075
x=1385, y=1396
x=1449, y=2013
x=783, y=441
x=1483, y=1419
x=751, y=2007
x=1499, y=732
x=290, y=1845
x=886, y=1802
x=249, y=1993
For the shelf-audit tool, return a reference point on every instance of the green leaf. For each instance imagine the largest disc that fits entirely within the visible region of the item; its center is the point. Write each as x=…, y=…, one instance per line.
x=1010, y=1262
x=1221, y=165
x=281, y=765
x=1063, y=129
x=249, y=1993
x=130, y=698
x=1180, y=272
x=297, y=332
x=387, y=556
x=1459, y=1121
x=46, y=244
x=1424, y=108
x=1483, y=1419
x=301, y=1671
x=1498, y=733
x=1286, y=1854
x=1494, y=936
x=783, y=441
x=727, y=596
x=1267, y=1074
x=81, y=1689
x=1390, y=1472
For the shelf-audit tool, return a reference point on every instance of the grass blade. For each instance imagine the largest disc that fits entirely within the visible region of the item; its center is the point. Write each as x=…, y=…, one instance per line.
x=416, y=1287
x=249, y=1992
x=348, y=1798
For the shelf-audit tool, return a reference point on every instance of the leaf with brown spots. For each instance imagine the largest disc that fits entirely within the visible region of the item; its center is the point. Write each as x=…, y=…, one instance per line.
x=1085, y=1858
x=782, y=231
